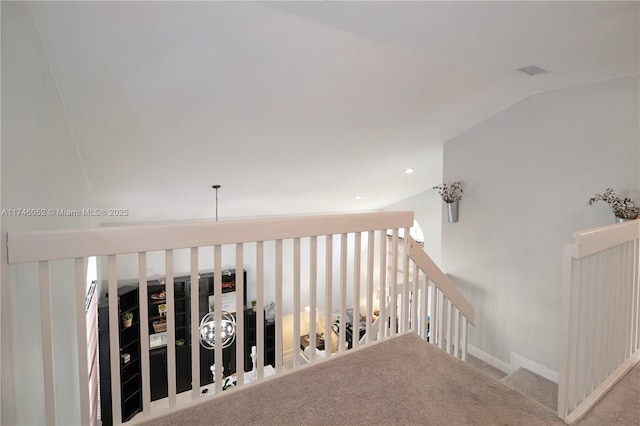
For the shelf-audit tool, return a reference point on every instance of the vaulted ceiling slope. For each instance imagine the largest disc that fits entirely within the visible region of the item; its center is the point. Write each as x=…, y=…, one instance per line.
x=296, y=107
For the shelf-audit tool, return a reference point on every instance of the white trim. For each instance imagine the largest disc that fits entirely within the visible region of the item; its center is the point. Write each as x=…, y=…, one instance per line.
x=604, y=387
x=518, y=361
x=81, y=327
x=594, y=240
x=36, y=246
x=46, y=321
x=442, y=281
x=489, y=359
x=565, y=331
x=143, y=312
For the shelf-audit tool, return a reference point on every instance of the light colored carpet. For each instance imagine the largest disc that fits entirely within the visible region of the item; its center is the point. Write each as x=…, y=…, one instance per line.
x=619, y=407
x=537, y=387
x=401, y=381
x=486, y=368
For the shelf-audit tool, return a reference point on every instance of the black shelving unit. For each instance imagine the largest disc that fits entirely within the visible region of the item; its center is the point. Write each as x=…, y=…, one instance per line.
x=158, y=355
x=129, y=341
x=250, y=339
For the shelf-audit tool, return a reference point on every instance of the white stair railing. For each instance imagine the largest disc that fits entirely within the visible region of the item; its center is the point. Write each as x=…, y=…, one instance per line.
x=424, y=290
x=451, y=312
x=600, y=334
x=355, y=267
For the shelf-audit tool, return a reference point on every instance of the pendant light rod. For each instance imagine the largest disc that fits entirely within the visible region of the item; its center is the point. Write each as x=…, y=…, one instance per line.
x=216, y=187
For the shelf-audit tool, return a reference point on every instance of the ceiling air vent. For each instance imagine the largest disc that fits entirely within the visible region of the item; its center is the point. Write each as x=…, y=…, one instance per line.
x=532, y=70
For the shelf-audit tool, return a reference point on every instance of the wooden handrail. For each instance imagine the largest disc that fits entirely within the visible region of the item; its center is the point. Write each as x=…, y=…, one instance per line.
x=594, y=240
x=35, y=246
x=441, y=281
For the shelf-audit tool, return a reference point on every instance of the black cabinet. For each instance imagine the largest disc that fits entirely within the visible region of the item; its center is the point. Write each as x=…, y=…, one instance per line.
x=129, y=352
x=129, y=340
x=250, y=340
x=184, y=343
x=157, y=325
x=158, y=373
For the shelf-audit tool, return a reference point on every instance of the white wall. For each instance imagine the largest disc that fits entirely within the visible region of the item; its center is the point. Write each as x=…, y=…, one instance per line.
x=427, y=206
x=40, y=169
x=528, y=172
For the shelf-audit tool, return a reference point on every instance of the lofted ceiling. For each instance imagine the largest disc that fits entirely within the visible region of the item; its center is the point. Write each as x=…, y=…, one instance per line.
x=296, y=107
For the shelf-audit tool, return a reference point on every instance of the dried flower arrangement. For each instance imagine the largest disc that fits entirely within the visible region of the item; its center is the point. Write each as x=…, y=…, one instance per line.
x=450, y=193
x=621, y=207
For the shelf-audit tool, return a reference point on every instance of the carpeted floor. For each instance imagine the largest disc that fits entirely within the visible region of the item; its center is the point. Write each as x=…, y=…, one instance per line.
x=401, y=381
x=486, y=368
x=537, y=387
x=619, y=407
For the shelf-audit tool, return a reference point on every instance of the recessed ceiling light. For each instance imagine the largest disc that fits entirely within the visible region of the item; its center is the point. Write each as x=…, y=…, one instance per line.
x=409, y=170
x=358, y=197
x=532, y=70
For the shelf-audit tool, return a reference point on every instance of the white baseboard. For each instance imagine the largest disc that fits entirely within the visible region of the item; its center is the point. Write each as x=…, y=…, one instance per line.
x=518, y=361
x=489, y=359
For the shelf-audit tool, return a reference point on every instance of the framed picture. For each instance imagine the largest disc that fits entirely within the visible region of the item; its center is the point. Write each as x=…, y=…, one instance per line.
x=228, y=301
x=229, y=294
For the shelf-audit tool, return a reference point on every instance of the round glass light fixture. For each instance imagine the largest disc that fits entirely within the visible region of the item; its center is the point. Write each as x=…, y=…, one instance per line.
x=409, y=170
x=227, y=333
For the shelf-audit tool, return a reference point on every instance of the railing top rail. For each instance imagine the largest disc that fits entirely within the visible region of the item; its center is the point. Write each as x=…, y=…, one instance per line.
x=441, y=281
x=594, y=240
x=37, y=246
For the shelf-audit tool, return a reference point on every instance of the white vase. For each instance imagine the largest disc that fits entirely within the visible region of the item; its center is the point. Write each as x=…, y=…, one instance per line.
x=271, y=313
